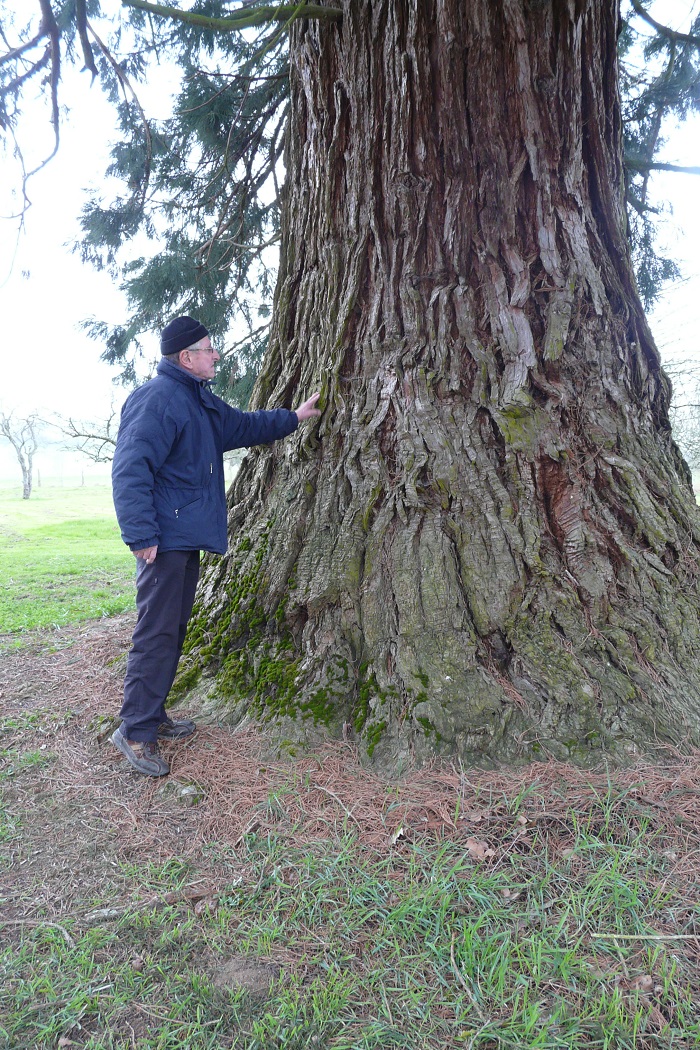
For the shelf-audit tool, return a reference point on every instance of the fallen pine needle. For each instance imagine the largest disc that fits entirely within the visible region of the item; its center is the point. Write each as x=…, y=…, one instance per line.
x=327, y=791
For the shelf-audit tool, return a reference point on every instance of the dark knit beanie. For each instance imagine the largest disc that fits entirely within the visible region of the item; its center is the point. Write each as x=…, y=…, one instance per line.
x=181, y=333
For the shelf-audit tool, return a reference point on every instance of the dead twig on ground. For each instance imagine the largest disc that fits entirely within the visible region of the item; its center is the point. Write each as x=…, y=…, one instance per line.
x=160, y=900
x=40, y=922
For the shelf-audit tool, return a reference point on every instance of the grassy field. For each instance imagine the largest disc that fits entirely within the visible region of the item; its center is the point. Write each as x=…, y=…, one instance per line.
x=61, y=558
x=250, y=903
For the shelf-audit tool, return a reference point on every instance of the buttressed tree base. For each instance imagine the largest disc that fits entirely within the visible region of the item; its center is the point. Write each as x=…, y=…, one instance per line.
x=488, y=547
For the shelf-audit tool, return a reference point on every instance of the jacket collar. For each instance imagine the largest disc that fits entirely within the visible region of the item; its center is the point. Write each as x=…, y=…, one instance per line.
x=167, y=368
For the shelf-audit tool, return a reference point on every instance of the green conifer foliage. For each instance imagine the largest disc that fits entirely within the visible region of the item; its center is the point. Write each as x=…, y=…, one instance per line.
x=205, y=186
x=660, y=84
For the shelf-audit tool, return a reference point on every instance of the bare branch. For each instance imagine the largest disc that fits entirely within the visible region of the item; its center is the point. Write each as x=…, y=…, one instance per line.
x=245, y=19
x=51, y=57
x=95, y=440
x=246, y=339
x=640, y=206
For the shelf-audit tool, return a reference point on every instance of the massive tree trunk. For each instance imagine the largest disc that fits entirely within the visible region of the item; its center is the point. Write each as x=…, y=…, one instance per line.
x=488, y=546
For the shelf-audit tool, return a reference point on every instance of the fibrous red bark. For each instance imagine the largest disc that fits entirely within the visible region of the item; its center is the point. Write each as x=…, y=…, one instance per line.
x=488, y=546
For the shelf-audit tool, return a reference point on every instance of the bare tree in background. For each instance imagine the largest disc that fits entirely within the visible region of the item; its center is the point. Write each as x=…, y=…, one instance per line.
x=685, y=409
x=22, y=435
x=96, y=439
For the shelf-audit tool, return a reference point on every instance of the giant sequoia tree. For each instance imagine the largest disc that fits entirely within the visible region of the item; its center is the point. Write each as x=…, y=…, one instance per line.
x=488, y=547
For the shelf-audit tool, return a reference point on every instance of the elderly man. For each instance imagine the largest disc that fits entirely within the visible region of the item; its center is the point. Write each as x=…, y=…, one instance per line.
x=169, y=495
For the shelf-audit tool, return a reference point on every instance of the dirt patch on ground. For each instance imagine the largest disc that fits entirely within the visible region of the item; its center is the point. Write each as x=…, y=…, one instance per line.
x=85, y=814
x=242, y=972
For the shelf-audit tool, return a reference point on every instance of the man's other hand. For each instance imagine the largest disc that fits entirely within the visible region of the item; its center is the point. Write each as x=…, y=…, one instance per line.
x=308, y=409
x=148, y=554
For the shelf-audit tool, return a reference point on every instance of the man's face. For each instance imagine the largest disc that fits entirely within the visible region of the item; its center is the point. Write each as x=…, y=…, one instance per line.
x=201, y=363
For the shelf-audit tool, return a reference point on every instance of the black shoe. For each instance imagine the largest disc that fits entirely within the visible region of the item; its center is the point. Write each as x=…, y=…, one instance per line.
x=142, y=755
x=172, y=729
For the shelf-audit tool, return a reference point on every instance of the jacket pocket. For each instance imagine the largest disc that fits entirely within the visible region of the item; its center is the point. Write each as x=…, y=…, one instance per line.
x=186, y=509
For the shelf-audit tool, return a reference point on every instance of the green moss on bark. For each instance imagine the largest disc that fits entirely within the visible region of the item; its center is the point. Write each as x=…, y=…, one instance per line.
x=255, y=654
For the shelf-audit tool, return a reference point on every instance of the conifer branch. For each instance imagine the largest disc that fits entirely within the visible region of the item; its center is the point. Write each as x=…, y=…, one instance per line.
x=16, y=52
x=670, y=34
x=49, y=28
x=641, y=207
x=127, y=87
x=243, y=20
x=658, y=117
x=81, y=23
x=636, y=164
x=14, y=85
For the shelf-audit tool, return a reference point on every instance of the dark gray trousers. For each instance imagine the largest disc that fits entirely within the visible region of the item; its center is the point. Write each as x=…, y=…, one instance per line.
x=164, y=599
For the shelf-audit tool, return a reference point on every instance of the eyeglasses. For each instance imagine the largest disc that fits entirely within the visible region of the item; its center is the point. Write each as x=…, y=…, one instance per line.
x=201, y=349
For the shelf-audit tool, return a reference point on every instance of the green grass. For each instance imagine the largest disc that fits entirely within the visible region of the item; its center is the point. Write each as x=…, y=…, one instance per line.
x=420, y=947
x=61, y=559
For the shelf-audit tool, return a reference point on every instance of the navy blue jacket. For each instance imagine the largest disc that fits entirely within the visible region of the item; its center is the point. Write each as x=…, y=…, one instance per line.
x=168, y=470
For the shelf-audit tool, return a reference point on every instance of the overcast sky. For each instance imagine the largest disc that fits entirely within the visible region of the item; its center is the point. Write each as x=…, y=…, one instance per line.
x=45, y=292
